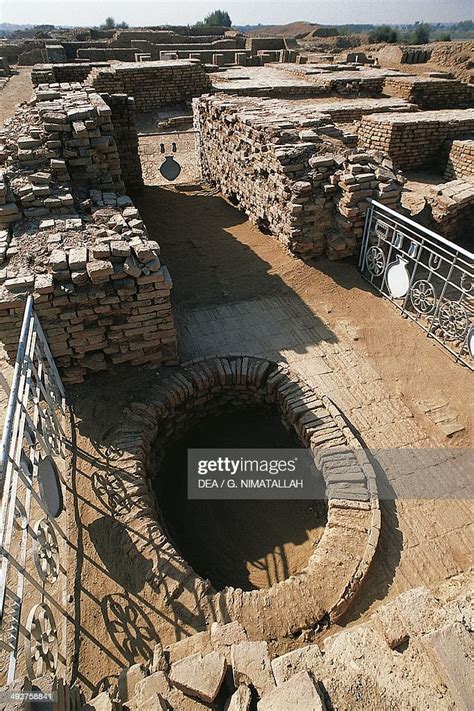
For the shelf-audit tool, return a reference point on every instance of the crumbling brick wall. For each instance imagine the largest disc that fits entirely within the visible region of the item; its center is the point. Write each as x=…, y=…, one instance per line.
x=413, y=140
x=452, y=208
x=70, y=237
x=273, y=159
x=153, y=84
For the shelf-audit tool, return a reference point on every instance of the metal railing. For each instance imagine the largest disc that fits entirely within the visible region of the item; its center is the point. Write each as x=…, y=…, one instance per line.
x=32, y=576
x=429, y=279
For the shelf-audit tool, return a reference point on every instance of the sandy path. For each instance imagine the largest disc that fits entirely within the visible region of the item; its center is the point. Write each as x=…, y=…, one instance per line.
x=17, y=89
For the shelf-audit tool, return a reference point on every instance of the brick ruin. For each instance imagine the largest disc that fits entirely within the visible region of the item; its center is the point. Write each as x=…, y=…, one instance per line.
x=303, y=171
x=152, y=84
x=431, y=92
x=73, y=238
x=460, y=162
x=414, y=140
x=293, y=172
x=452, y=207
x=212, y=46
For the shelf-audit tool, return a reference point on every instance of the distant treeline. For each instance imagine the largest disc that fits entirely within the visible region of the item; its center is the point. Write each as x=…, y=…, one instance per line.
x=416, y=32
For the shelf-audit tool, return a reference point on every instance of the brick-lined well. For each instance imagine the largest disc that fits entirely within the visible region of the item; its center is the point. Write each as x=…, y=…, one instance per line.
x=343, y=555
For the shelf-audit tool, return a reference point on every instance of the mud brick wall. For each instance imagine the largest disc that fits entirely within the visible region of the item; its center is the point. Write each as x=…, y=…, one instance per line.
x=460, y=160
x=414, y=140
x=126, y=137
x=153, y=84
x=106, y=54
x=126, y=38
x=452, y=208
x=66, y=72
x=353, y=110
x=102, y=299
x=101, y=291
x=72, y=48
x=430, y=92
x=273, y=159
x=64, y=141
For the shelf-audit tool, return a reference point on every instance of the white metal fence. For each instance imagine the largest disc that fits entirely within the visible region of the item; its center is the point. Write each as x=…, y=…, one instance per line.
x=429, y=279
x=32, y=517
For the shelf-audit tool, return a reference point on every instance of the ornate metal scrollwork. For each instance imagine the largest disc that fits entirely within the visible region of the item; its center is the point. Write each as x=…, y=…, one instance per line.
x=453, y=319
x=41, y=642
x=423, y=297
x=375, y=260
x=381, y=229
x=46, y=551
x=467, y=283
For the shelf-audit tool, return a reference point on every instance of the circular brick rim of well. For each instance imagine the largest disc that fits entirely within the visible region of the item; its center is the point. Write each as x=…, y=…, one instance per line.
x=341, y=558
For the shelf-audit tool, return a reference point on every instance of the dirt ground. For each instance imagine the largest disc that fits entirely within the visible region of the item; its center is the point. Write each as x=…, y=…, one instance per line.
x=18, y=88
x=216, y=255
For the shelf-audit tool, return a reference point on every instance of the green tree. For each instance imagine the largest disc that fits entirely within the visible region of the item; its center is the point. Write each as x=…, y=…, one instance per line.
x=422, y=32
x=383, y=33
x=109, y=23
x=218, y=18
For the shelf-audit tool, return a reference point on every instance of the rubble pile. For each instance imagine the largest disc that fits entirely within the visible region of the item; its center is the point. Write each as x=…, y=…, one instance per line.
x=414, y=652
x=152, y=84
x=413, y=140
x=460, y=162
x=292, y=170
x=72, y=238
x=431, y=92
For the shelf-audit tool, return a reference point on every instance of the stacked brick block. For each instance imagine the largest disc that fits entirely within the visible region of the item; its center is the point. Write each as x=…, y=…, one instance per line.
x=69, y=236
x=275, y=160
x=431, y=92
x=460, y=162
x=414, y=140
x=153, y=84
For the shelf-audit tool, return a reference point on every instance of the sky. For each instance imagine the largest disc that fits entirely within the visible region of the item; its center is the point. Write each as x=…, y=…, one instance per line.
x=242, y=12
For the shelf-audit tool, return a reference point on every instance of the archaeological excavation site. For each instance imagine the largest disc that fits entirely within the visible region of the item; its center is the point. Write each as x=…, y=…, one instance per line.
x=236, y=350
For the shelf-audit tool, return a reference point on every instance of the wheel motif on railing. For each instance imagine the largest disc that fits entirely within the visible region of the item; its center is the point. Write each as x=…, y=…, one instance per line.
x=41, y=642
x=423, y=297
x=375, y=261
x=453, y=319
x=46, y=551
